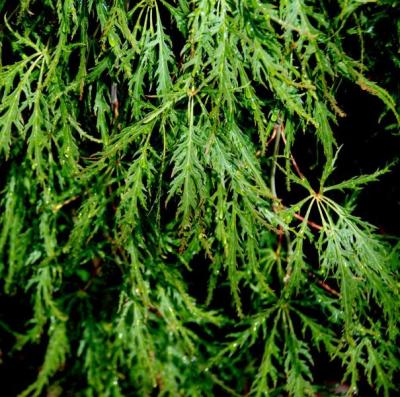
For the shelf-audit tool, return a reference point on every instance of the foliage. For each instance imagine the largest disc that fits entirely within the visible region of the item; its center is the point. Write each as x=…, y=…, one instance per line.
x=141, y=140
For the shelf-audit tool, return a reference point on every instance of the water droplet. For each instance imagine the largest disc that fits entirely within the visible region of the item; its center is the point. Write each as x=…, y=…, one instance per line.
x=255, y=326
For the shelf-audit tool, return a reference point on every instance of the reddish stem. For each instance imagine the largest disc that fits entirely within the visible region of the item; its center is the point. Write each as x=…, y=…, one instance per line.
x=310, y=223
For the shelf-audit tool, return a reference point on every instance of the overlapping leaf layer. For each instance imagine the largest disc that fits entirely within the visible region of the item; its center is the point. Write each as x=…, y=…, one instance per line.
x=141, y=139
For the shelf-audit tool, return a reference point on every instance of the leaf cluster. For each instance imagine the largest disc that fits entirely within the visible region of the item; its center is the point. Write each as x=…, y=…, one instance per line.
x=142, y=140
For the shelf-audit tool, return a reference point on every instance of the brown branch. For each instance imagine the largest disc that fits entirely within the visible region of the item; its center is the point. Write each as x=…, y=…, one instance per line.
x=293, y=160
x=324, y=285
x=279, y=132
x=310, y=223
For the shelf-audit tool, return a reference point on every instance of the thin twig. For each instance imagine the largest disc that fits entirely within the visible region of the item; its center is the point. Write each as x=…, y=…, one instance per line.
x=278, y=129
x=277, y=135
x=310, y=223
x=324, y=285
x=281, y=133
x=293, y=160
